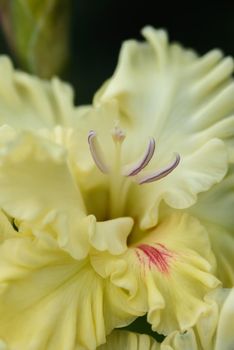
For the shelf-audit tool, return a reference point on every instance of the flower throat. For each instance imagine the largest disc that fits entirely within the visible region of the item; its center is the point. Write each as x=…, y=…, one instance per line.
x=119, y=174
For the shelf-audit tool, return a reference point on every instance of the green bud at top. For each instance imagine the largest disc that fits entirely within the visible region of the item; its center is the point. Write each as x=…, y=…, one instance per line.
x=38, y=33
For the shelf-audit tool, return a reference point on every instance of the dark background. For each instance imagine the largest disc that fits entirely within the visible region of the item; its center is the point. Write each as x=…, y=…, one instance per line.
x=99, y=27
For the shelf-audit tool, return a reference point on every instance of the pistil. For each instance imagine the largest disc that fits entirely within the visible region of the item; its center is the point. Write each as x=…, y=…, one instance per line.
x=117, y=183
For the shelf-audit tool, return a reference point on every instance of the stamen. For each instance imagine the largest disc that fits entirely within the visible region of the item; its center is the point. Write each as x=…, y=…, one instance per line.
x=161, y=173
x=96, y=152
x=143, y=162
x=130, y=170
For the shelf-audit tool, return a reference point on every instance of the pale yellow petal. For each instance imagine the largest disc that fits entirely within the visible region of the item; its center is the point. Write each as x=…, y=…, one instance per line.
x=3, y=345
x=214, y=329
x=157, y=84
x=123, y=340
x=215, y=209
x=27, y=102
x=186, y=103
x=35, y=178
x=225, y=334
x=222, y=243
x=195, y=174
x=181, y=341
x=78, y=234
x=50, y=301
x=216, y=206
x=111, y=235
x=70, y=229
x=159, y=272
x=6, y=227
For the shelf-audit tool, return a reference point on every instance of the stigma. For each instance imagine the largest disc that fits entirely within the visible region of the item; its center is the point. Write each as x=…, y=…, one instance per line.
x=134, y=170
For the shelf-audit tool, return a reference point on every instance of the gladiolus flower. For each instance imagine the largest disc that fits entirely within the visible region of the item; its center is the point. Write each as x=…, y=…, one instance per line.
x=115, y=210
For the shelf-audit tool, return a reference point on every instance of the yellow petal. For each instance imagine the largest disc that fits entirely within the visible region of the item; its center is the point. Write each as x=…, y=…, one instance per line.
x=215, y=210
x=159, y=272
x=102, y=120
x=50, y=301
x=216, y=205
x=6, y=227
x=111, y=235
x=196, y=173
x=79, y=234
x=181, y=341
x=214, y=330
x=225, y=336
x=122, y=340
x=159, y=86
x=70, y=229
x=38, y=190
x=34, y=178
x=222, y=243
x=38, y=185
x=28, y=102
x=3, y=345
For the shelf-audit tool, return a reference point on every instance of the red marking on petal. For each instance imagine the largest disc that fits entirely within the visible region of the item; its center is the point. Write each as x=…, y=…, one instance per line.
x=158, y=257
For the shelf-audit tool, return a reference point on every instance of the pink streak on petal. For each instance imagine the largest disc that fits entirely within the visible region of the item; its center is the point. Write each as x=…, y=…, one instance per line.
x=158, y=257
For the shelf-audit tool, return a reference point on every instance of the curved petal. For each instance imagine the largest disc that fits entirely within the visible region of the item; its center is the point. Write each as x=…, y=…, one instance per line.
x=129, y=341
x=35, y=178
x=181, y=341
x=27, y=102
x=159, y=272
x=214, y=209
x=50, y=301
x=38, y=189
x=215, y=205
x=224, y=335
x=6, y=227
x=214, y=330
x=70, y=229
x=3, y=345
x=194, y=174
x=79, y=234
x=37, y=185
x=222, y=243
x=158, y=84
x=111, y=235
x=206, y=327
x=186, y=103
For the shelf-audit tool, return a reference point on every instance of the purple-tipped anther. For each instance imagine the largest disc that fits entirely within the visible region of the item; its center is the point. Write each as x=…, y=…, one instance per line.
x=135, y=169
x=144, y=161
x=155, y=176
x=96, y=152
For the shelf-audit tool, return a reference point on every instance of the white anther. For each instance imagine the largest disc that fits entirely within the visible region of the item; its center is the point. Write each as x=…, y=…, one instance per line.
x=142, y=162
x=96, y=152
x=155, y=176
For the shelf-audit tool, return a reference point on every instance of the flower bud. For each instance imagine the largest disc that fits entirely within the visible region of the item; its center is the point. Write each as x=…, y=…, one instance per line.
x=38, y=34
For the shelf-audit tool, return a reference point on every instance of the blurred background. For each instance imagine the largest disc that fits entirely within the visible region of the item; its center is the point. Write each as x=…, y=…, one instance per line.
x=97, y=29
